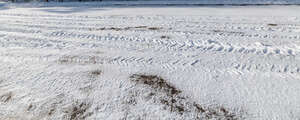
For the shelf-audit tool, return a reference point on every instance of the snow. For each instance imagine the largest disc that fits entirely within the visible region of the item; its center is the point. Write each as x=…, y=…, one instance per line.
x=71, y=62
x=105, y=3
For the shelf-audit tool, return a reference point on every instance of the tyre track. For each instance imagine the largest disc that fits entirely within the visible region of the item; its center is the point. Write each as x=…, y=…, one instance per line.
x=161, y=46
x=184, y=62
x=225, y=31
x=259, y=27
x=167, y=46
x=168, y=64
x=228, y=25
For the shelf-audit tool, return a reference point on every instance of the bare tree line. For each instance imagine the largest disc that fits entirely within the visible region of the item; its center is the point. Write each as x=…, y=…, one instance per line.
x=51, y=0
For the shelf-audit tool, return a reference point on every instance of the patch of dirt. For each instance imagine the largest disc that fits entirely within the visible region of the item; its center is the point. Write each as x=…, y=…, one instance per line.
x=172, y=99
x=6, y=97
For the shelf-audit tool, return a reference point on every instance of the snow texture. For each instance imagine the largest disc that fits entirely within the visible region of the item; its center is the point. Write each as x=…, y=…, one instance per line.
x=147, y=62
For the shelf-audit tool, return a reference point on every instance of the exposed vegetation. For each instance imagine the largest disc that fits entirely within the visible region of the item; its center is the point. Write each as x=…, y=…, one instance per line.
x=175, y=102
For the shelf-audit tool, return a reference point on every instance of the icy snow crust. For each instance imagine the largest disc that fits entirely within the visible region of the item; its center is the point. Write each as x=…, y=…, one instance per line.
x=149, y=62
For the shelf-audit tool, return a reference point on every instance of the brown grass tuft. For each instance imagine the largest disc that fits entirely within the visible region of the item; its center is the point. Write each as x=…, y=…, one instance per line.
x=156, y=83
x=140, y=27
x=164, y=37
x=272, y=24
x=96, y=72
x=52, y=110
x=80, y=112
x=6, y=97
x=154, y=28
x=124, y=28
x=29, y=107
x=173, y=101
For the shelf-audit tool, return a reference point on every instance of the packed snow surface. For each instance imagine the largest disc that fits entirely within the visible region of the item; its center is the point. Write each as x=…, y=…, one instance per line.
x=149, y=62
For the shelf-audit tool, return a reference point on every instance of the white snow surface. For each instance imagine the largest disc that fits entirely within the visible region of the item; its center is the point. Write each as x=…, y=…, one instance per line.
x=80, y=62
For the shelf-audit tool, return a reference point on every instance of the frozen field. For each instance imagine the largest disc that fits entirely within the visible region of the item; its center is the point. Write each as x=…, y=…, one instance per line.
x=149, y=63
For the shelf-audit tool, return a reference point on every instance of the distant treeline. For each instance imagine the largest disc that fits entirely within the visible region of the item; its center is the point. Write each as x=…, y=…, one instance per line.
x=60, y=0
x=184, y=1
x=67, y=0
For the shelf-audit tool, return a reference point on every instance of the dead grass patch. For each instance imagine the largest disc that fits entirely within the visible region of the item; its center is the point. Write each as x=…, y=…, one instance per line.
x=154, y=28
x=69, y=59
x=96, y=72
x=173, y=101
x=30, y=107
x=228, y=32
x=6, y=97
x=79, y=111
x=140, y=27
x=164, y=37
x=272, y=24
x=217, y=31
x=124, y=28
x=116, y=29
x=51, y=111
x=104, y=28
x=131, y=98
x=157, y=83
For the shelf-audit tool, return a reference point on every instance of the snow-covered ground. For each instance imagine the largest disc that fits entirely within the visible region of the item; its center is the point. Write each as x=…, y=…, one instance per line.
x=149, y=62
x=161, y=2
